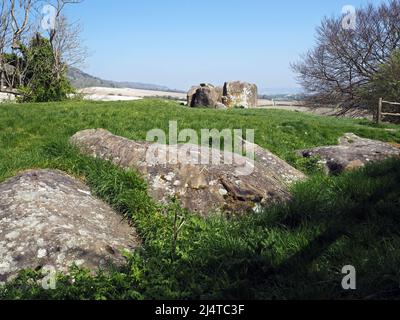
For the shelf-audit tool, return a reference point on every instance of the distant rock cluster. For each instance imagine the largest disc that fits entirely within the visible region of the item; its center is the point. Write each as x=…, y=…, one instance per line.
x=232, y=95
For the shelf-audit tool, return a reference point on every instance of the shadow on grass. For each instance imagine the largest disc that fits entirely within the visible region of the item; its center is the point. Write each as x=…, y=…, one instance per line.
x=357, y=217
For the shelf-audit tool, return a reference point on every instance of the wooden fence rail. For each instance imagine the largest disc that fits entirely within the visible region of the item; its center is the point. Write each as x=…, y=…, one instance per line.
x=380, y=114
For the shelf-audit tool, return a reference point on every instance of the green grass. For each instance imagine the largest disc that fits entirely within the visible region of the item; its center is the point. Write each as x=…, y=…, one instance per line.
x=290, y=251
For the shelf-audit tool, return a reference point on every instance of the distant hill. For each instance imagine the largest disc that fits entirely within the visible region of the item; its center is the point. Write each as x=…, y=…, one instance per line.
x=80, y=79
x=283, y=97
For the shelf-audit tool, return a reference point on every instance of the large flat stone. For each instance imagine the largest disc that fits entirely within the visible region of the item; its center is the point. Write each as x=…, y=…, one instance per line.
x=48, y=218
x=352, y=153
x=201, y=188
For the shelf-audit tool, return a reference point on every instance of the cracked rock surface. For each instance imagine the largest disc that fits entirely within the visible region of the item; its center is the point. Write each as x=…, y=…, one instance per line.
x=201, y=188
x=48, y=218
x=352, y=153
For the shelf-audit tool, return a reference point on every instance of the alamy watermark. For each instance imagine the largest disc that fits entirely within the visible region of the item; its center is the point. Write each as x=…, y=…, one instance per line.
x=349, y=282
x=225, y=147
x=349, y=20
x=48, y=21
x=49, y=280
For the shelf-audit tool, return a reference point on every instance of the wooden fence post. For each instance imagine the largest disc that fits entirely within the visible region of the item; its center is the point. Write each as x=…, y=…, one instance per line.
x=379, y=113
x=2, y=82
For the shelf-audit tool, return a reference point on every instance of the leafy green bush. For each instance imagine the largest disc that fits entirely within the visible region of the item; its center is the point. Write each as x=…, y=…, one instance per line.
x=385, y=83
x=41, y=82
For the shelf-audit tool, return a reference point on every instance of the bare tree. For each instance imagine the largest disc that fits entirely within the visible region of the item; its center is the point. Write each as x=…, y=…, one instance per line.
x=20, y=13
x=65, y=39
x=16, y=15
x=20, y=20
x=344, y=61
x=5, y=38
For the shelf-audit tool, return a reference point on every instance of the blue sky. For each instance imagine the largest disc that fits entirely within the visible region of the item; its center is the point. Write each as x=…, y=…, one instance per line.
x=179, y=43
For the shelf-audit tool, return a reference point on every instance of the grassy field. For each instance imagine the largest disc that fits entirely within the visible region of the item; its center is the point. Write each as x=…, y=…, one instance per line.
x=290, y=251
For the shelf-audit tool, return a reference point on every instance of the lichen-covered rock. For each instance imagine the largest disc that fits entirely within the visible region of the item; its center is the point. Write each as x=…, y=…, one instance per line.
x=201, y=188
x=205, y=95
x=352, y=153
x=221, y=106
x=50, y=219
x=275, y=165
x=240, y=94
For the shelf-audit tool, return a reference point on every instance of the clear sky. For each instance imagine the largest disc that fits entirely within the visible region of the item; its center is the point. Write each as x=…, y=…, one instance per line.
x=179, y=43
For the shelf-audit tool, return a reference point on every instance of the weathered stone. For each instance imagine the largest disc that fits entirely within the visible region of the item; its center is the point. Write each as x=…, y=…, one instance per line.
x=190, y=94
x=219, y=92
x=352, y=153
x=233, y=94
x=273, y=164
x=50, y=219
x=206, y=95
x=221, y=106
x=394, y=144
x=240, y=94
x=200, y=188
